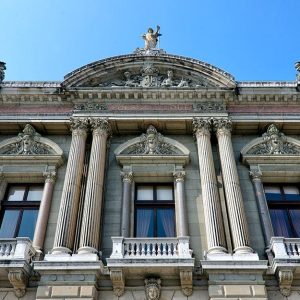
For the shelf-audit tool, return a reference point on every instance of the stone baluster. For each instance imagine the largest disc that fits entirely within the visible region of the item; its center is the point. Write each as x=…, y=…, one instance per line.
x=181, y=214
x=91, y=218
x=127, y=178
x=236, y=213
x=264, y=215
x=42, y=219
x=210, y=194
x=66, y=223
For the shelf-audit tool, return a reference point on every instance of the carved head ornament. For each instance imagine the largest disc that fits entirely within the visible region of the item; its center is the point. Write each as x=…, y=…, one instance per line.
x=153, y=287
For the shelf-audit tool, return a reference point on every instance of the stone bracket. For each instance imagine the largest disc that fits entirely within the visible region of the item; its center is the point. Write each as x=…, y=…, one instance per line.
x=118, y=281
x=19, y=281
x=186, y=280
x=285, y=278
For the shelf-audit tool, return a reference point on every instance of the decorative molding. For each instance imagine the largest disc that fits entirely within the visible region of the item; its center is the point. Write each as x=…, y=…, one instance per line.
x=153, y=288
x=255, y=175
x=179, y=176
x=118, y=281
x=285, y=278
x=149, y=52
x=269, y=84
x=50, y=176
x=90, y=107
x=186, y=279
x=127, y=177
x=31, y=84
x=152, y=143
x=209, y=106
x=19, y=281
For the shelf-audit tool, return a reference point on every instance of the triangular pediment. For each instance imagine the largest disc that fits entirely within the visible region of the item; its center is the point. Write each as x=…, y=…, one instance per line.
x=149, y=71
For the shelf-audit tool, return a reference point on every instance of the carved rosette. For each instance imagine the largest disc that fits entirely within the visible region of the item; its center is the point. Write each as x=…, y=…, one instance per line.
x=222, y=126
x=179, y=176
x=127, y=177
x=285, y=278
x=79, y=126
x=201, y=126
x=118, y=281
x=19, y=281
x=153, y=288
x=100, y=126
x=186, y=279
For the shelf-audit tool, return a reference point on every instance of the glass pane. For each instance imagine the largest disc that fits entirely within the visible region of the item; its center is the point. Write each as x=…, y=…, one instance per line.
x=144, y=223
x=145, y=193
x=164, y=193
x=16, y=193
x=9, y=223
x=291, y=193
x=272, y=193
x=280, y=222
x=35, y=193
x=165, y=222
x=295, y=217
x=27, y=225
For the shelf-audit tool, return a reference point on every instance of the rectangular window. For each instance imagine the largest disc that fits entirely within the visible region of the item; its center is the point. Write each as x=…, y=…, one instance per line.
x=20, y=210
x=284, y=207
x=154, y=210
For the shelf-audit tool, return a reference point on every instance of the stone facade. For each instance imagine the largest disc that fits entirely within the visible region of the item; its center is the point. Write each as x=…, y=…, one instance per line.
x=159, y=119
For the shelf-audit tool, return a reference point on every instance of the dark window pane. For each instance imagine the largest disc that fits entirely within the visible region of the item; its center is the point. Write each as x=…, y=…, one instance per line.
x=28, y=223
x=145, y=193
x=35, y=193
x=295, y=218
x=9, y=223
x=273, y=193
x=280, y=222
x=144, y=223
x=291, y=193
x=164, y=193
x=16, y=193
x=165, y=222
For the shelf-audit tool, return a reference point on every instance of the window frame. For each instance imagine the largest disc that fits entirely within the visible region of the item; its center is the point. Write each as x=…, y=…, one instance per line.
x=20, y=206
x=154, y=204
x=287, y=205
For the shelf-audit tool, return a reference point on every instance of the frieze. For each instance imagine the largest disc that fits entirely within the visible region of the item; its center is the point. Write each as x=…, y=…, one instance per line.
x=209, y=106
x=152, y=143
x=90, y=107
x=27, y=143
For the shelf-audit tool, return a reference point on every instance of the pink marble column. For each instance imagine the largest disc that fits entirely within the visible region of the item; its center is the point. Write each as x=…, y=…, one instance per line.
x=66, y=223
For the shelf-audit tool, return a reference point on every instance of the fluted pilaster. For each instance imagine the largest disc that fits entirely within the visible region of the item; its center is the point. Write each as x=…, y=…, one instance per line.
x=42, y=219
x=264, y=215
x=236, y=213
x=181, y=214
x=66, y=223
x=210, y=194
x=91, y=219
x=127, y=178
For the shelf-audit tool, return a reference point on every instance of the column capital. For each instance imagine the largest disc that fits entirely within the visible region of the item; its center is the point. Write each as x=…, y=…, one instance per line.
x=79, y=126
x=201, y=126
x=100, y=126
x=179, y=176
x=222, y=126
x=50, y=176
x=255, y=175
x=127, y=176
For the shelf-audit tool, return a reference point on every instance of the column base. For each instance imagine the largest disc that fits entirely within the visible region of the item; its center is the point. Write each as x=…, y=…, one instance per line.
x=243, y=250
x=60, y=251
x=87, y=250
x=217, y=250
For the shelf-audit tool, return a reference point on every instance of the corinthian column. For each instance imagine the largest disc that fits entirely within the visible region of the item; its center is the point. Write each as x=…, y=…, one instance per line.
x=181, y=221
x=42, y=219
x=236, y=213
x=91, y=219
x=66, y=223
x=126, y=203
x=210, y=194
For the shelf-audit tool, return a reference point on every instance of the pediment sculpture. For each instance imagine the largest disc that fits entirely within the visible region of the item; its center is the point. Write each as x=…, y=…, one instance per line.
x=29, y=142
x=151, y=76
x=273, y=142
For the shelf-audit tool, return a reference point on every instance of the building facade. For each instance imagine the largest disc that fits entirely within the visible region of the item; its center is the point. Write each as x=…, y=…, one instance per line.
x=149, y=176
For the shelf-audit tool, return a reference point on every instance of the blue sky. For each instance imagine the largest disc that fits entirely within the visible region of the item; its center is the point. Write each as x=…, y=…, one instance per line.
x=252, y=40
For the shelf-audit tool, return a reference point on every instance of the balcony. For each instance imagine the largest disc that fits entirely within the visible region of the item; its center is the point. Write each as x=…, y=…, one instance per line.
x=15, y=262
x=163, y=257
x=285, y=261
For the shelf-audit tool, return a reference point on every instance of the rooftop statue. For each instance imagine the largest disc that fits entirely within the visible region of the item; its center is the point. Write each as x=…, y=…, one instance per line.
x=2, y=69
x=297, y=66
x=151, y=38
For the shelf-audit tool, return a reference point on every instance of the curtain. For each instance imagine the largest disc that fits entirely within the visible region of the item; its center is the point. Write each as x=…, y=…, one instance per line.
x=9, y=223
x=166, y=216
x=295, y=217
x=144, y=217
x=280, y=222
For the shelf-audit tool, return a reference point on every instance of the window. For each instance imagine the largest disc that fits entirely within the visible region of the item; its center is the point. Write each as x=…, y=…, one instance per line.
x=284, y=207
x=154, y=210
x=19, y=210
